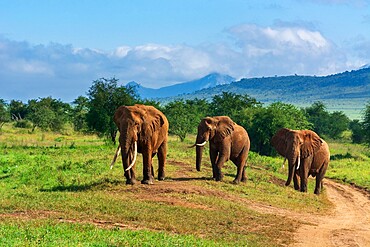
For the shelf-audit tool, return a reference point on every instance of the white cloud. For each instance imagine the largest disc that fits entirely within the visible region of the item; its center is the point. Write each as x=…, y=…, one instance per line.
x=286, y=49
x=121, y=51
x=29, y=67
x=254, y=51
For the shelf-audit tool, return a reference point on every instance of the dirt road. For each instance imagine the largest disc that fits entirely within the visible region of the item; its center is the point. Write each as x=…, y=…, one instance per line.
x=347, y=225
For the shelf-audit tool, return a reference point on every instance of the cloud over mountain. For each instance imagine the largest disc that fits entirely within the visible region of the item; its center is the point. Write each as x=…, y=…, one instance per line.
x=64, y=71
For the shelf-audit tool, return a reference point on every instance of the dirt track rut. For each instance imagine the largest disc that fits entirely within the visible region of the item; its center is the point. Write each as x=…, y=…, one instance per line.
x=347, y=225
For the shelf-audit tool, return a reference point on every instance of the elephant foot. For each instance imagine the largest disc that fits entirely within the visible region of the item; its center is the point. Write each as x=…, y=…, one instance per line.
x=131, y=181
x=236, y=181
x=147, y=181
x=304, y=189
x=317, y=191
x=161, y=178
x=219, y=178
x=244, y=179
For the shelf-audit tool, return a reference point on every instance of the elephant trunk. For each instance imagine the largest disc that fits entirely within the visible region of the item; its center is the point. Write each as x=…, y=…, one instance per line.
x=292, y=164
x=128, y=143
x=199, y=152
x=132, y=157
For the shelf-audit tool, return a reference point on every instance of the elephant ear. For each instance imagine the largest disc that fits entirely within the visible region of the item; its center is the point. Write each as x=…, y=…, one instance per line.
x=119, y=114
x=311, y=143
x=278, y=141
x=225, y=127
x=153, y=119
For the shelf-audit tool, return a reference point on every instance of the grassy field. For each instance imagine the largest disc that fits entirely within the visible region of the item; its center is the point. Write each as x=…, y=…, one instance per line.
x=350, y=163
x=58, y=190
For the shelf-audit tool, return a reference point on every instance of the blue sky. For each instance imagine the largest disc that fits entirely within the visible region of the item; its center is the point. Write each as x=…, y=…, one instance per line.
x=57, y=48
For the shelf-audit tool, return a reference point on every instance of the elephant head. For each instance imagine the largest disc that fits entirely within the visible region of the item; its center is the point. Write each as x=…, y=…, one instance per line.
x=295, y=145
x=211, y=128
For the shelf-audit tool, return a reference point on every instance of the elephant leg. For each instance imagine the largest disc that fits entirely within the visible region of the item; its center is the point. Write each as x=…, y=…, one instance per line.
x=304, y=169
x=147, y=168
x=244, y=175
x=240, y=170
x=162, y=152
x=219, y=164
x=296, y=180
x=319, y=178
x=213, y=156
x=244, y=161
x=130, y=176
x=239, y=173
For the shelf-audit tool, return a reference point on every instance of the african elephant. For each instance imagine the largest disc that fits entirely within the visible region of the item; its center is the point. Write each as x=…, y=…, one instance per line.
x=307, y=154
x=143, y=129
x=227, y=140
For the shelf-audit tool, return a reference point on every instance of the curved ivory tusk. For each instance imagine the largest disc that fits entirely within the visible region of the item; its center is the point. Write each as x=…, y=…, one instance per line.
x=118, y=151
x=299, y=162
x=202, y=144
x=135, y=154
x=284, y=162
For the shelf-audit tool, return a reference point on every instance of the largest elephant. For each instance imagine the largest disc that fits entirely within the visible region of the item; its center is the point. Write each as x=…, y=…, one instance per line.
x=143, y=129
x=307, y=154
x=227, y=140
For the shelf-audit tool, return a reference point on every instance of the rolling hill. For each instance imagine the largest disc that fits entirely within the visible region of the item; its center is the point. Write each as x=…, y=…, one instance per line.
x=348, y=91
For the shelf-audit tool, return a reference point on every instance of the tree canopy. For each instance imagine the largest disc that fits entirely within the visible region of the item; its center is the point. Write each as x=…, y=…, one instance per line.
x=105, y=96
x=4, y=113
x=94, y=113
x=48, y=113
x=184, y=116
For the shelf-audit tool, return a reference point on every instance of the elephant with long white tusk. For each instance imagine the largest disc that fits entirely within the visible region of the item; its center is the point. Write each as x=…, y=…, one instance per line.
x=143, y=129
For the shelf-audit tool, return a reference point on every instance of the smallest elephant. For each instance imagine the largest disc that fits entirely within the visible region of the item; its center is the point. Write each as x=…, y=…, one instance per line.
x=307, y=154
x=227, y=140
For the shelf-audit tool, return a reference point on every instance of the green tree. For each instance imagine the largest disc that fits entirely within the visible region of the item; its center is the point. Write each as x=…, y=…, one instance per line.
x=184, y=116
x=79, y=112
x=324, y=123
x=358, y=132
x=18, y=110
x=154, y=103
x=240, y=108
x=48, y=113
x=4, y=113
x=366, y=123
x=230, y=104
x=105, y=96
x=319, y=117
x=200, y=109
x=338, y=122
x=270, y=119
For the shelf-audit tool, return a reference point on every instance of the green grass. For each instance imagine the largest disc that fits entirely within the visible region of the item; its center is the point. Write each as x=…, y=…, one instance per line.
x=49, y=233
x=58, y=190
x=350, y=163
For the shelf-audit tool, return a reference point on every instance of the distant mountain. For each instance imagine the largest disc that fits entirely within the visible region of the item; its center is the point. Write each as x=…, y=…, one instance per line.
x=209, y=81
x=347, y=91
